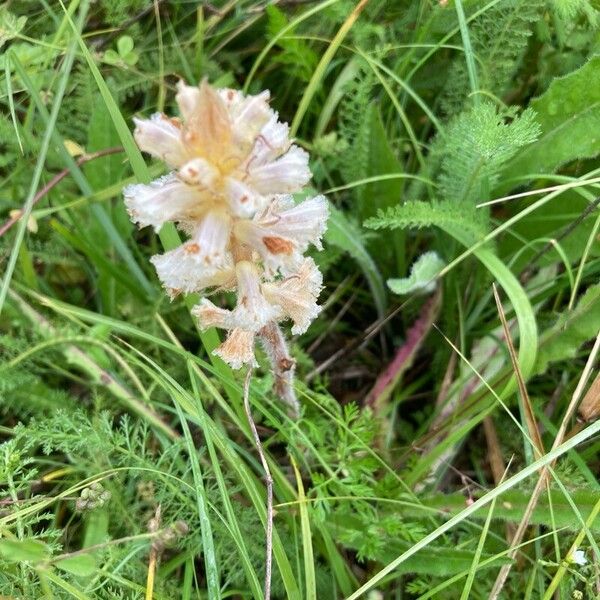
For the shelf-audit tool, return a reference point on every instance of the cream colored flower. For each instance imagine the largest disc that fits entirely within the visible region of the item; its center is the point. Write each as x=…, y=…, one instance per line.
x=165, y=199
x=252, y=312
x=297, y=294
x=233, y=170
x=283, y=231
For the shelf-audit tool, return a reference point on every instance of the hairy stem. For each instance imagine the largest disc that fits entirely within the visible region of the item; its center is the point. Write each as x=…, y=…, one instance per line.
x=283, y=366
x=269, y=482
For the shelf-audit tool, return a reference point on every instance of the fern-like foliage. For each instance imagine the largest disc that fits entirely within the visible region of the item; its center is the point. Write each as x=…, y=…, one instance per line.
x=499, y=38
x=353, y=127
x=418, y=215
x=297, y=57
x=466, y=161
x=475, y=147
x=118, y=11
x=571, y=9
x=77, y=105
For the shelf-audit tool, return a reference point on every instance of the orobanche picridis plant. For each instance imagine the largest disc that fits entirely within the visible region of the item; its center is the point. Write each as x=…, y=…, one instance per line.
x=233, y=170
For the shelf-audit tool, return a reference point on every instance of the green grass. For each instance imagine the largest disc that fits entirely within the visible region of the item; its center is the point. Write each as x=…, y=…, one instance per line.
x=413, y=113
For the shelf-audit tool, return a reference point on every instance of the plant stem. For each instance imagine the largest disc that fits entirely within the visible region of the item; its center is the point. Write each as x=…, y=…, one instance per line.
x=55, y=181
x=269, y=482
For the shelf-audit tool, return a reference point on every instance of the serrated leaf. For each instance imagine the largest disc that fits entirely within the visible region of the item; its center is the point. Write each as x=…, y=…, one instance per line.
x=569, y=115
x=476, y=146
x=10, y=25
x=345, y=234
x=573, y=329
x=417, y=214
x=24, y=550
x=82, y=565
x=422, y=275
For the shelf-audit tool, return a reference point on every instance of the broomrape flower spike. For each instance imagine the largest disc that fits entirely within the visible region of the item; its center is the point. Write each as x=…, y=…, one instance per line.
x=233, y=170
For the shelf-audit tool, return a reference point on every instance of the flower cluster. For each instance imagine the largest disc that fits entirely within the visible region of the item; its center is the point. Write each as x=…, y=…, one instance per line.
x=233, y=170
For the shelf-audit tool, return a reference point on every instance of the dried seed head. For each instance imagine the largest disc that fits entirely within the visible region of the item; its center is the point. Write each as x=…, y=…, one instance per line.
x=233, y=168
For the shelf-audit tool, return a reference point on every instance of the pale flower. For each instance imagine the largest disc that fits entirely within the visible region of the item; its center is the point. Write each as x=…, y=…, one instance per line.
x=297, y=295
x=233, y=170
x=282, y=232
x=578, y=557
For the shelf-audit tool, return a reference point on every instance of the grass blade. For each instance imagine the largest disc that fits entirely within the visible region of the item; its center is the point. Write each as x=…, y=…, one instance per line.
x=37, y=172
x=310, y=593
x=531, y=469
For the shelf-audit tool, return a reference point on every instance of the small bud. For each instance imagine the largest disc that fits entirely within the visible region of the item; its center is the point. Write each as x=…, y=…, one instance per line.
x=92, y=497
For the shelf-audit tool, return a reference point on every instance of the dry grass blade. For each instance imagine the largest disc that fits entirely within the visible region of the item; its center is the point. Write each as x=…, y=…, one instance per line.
x=543, y=478
x=153, y=560
x=494, y=451
x=532, y=428
x=589, y=409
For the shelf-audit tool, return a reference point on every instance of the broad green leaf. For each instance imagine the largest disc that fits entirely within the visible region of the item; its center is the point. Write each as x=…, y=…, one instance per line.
x=82, y=565
x=20, y=550
x=570, y=331
x=345, y=234
x=96, y=527
x=131, y=58
x=569, y=115
x=381, y=160
x=543, y=225
x=422, y=275
x=513, y=504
